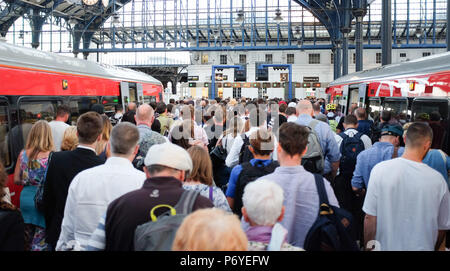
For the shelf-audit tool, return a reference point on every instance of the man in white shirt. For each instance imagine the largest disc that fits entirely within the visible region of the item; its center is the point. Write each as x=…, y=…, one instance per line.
x=407, y=204
x=59, y=125
x=93, y=189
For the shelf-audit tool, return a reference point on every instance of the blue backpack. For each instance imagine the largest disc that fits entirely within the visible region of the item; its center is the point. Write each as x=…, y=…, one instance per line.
x=333, y=228
x=350, y=148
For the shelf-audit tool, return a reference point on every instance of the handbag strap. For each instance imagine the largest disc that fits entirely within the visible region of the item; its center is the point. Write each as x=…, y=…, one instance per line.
x=211, y=194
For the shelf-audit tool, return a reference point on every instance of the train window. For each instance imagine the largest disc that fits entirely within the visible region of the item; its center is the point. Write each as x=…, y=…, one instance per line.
x=420, y=107
x=149, y=99
x=30, y=111
x=375, y=106
x=79, y=106
x=4, y=130
x=109, y=103
x=397, y=106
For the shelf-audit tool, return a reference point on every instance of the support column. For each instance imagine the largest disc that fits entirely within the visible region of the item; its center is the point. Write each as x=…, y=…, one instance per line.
x=36, y=27
x=335, y=67
x=448, y=25
x=386, y=34
x=359, y=44
x=76, y=36
x=345, y=55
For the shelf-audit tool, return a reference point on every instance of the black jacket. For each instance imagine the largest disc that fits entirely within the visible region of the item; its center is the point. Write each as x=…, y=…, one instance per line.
x=64, y=166
x=11, y=229
x=133, y=209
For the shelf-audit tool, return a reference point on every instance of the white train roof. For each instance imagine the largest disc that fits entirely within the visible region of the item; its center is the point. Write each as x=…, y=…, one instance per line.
x=13, y=55
x=420, y=66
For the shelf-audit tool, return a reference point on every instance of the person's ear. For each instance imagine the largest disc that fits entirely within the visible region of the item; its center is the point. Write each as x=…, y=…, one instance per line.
x=280, y=218
x=251, y=149
x=99, y=138
x=136, y=150
x=108, y=147
x=304, y=152
x=147, y=174
x=135, y=119
x=245, y=215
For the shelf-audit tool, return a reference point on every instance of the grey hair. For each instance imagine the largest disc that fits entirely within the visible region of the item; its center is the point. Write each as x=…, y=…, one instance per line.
x=124, y=138
x=263, y=201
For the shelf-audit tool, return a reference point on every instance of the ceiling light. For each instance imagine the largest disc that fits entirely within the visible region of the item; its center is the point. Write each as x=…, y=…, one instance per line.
x=278, y=19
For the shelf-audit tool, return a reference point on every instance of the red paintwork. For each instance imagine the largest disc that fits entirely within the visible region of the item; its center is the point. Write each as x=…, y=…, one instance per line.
x=23, y=81
x=15, y=190
x=433, y=85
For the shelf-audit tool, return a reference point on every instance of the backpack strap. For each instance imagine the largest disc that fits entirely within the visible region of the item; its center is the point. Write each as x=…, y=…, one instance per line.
x=395, y=153
x=186, y=202
x=312, y=124
x=323, y=198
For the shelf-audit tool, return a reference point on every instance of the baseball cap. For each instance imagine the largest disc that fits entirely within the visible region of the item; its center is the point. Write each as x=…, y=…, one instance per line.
x=292, y=104
x=282, y=102
x=169, y=155
x=330, y=115
x=394, y=130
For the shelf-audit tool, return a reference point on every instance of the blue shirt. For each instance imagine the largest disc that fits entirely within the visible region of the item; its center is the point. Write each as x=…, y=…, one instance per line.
x=435, y=159
x=367, y=159
x=234, y=176
x=364, y=126
x=327, y=142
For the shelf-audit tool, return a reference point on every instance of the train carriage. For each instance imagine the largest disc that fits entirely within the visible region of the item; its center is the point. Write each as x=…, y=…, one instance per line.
x=412, y=88
x=33, y=83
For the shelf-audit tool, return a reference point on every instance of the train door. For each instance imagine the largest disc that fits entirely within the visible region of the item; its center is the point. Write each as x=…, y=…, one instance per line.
x=356, y=95
x=131, y=93
x=373, y=104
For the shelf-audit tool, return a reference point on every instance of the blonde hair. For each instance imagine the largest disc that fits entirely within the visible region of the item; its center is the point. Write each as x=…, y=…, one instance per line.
x=184, y=114
x=39, y=139
x=201, y=165
x=210, y=230
x=70, y=139
x=106, y=133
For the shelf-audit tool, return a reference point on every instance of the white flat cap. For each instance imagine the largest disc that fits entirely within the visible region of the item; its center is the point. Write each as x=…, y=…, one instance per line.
x=169, y=155
x=292, y=104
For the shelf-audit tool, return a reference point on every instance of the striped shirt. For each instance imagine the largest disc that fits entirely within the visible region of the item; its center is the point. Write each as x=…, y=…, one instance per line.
x=97, y=242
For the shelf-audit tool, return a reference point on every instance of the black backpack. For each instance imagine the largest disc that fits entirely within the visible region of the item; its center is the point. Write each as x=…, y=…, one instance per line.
x=350, y=148
x=158, y=234
x=245, y=155
x=249, y=174
x=333, y=228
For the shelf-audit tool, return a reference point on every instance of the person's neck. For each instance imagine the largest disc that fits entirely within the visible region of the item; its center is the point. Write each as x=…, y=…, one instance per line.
x=413, y=155
x=191, y=182
x=286, y=160
x=149, y=124
x=128, y=157
x=262, y=157
x=92, y=146
x=350, y=127
x=60, y=119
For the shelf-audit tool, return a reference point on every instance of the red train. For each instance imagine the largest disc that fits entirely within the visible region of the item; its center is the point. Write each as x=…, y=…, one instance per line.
x=33, y=83
x=412, y=88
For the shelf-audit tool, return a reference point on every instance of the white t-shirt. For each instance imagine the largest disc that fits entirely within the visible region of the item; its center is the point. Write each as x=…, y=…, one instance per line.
x=58, y=129
x=411, y=202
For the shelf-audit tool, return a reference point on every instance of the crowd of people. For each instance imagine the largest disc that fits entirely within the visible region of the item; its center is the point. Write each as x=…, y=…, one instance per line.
x=232, y=174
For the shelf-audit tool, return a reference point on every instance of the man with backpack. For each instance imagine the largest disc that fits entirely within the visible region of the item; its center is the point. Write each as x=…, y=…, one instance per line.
x=261, y=146
x=322, y=154
x=351, y=144
x=166, y=167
